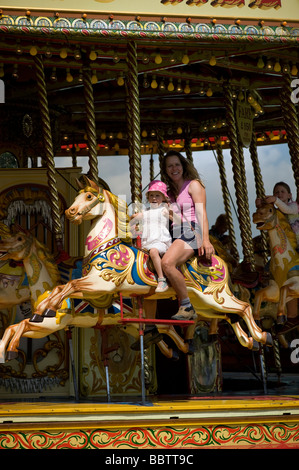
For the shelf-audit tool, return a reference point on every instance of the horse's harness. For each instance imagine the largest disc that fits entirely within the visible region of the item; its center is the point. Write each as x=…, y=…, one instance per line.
x=99, y=198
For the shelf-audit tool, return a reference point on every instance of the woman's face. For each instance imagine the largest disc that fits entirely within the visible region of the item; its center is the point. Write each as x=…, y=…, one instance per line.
x=174, y=168
x=282, y=193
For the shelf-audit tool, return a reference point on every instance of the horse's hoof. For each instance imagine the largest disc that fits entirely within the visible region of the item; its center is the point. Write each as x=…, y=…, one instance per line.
x=175, y=356
x=36, y=318
x=281, y=319
x=191, y=348
x=255, y=346
x=49, y=313
x=10, y=355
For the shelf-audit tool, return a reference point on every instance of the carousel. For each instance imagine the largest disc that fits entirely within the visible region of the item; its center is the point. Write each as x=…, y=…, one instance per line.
x=133, y=79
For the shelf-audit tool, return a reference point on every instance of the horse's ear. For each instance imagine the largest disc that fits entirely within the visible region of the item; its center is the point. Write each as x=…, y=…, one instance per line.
x=80, y=183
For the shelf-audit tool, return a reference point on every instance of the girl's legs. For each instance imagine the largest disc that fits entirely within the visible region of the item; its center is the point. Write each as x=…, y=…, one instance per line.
x=155, y=256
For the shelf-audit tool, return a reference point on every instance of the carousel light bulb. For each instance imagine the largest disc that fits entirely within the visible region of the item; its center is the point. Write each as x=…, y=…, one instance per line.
x=209, y=92
x=277, y=66
x=241, y=96
x=260, y=63
x=170, y=85
x=144, y=133
x=154, y=83
x=33, y=51
x=48, y=53
x=158, y=58
x=179, y=130
x=116, y=57
x=80, y=78
x=116, y=147
x=201, y=92
x=185, y=59
x=213, y=60
x=120, y=80
x=53, y=76
x=119, y=135
x=94, y=77
x=145, y=58
x=15, y=74
x=187, y=88
x=19, y=50
x=145, y=82
x=179, y=86
x=162, y=85
x=103, y=135
x=269, y=65
x=77, y=54
x=294, y=70
x=93, y=55
x=69, y=76
x=286, y=68
x=63, y=53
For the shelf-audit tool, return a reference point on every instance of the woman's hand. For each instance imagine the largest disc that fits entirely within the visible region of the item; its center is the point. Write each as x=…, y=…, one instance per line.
x=206, y=249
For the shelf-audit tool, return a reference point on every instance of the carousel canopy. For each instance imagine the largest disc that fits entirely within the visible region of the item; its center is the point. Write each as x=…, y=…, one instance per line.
x=187, y=53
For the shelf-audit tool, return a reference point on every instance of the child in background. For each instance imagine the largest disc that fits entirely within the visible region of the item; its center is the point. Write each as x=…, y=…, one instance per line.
x=155, y=234
x=282, y=198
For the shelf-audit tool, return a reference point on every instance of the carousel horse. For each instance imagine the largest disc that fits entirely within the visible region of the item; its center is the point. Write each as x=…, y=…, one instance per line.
x=112, y=266
x=42, y=273
x=284, y=263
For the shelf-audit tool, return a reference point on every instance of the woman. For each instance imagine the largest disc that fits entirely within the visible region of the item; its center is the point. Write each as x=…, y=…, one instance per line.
x=188, y=197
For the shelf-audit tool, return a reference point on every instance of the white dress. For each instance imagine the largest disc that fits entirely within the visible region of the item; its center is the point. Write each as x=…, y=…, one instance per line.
x=155, y=232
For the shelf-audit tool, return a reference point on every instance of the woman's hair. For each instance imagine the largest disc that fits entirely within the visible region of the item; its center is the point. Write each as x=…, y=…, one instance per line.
x=189, y=171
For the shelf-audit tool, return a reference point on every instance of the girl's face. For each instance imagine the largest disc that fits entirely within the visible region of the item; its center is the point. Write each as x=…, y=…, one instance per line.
x=155, y=198
x=174, y=168
x=282, y=193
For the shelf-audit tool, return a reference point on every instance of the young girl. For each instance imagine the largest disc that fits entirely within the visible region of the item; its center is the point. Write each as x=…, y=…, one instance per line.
x=155, y=234
x=282, y=198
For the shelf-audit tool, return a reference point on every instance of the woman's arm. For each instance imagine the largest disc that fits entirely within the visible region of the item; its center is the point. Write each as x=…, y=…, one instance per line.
x=198, y=194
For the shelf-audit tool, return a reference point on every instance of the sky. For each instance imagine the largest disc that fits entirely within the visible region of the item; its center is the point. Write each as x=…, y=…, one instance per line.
x=274, y=162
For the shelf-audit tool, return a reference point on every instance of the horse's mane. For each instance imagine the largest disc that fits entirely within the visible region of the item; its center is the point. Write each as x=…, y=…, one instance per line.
x=122, y=217
x=285, y=225
x=46, y=257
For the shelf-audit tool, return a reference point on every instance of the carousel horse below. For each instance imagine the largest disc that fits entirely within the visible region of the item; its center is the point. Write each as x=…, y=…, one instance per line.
x=284, y=264
x=112, y=266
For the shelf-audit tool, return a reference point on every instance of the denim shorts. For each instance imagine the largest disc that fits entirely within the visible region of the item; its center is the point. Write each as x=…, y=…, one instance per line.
x=185, y=233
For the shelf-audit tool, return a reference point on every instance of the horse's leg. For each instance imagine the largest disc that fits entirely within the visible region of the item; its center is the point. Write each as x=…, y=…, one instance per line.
x=243, y=338
x=8, y=334
x=269, y=294
x=12, y=350
x=78, y=288
x=166, y=351
x=170, y=331
x=287, y=307
x=257, y=334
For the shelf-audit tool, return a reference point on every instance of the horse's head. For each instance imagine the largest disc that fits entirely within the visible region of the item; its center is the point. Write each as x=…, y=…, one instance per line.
x=265, y=216
x=16, y=247
x=88, y=204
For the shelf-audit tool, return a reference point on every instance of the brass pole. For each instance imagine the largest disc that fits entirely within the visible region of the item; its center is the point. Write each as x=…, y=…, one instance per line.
x=90, y=125
x=133, y=98
x=225, y=194
x=48, y=147
x=161, y=150
x=259, y=187
x=291, y=125
x=240, y=183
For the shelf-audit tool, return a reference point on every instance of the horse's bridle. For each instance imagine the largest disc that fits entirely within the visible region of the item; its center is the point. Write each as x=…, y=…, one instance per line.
x=99, y=198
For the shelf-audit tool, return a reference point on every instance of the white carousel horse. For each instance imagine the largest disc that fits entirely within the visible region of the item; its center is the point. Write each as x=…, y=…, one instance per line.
x=113, y=266
x=284, y=263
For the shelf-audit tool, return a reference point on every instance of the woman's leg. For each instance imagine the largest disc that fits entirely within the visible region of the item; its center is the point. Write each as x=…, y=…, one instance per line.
x=178, y=253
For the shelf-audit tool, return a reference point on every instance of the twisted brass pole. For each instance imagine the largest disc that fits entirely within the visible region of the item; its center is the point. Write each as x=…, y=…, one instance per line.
x=90, y=125
x=151, y=167
x=188, y=148
x=161, y=150
x=226, y=202
x=133, y=98
x=291, y=125
x=259, y=187
x=48, y=148
x=129, y=115
x=240, y=186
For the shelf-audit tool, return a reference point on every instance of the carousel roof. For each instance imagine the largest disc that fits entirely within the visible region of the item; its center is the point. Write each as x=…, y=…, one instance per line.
x=183, y=67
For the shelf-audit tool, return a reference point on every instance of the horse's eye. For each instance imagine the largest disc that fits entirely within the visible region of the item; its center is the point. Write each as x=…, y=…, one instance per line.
x=89, y=196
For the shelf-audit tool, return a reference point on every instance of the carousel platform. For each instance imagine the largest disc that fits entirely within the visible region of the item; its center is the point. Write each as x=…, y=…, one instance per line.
x=163, y=423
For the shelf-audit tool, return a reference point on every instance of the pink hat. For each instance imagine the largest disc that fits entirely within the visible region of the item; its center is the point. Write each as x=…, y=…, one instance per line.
x=157, y=185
